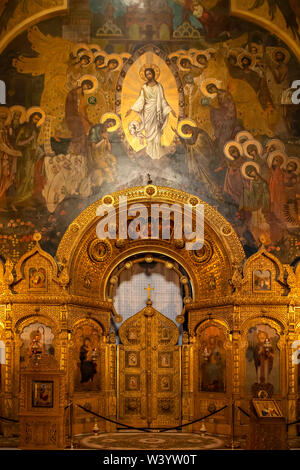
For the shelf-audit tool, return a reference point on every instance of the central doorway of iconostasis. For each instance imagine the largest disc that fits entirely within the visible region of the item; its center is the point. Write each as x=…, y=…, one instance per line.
x=149, y=349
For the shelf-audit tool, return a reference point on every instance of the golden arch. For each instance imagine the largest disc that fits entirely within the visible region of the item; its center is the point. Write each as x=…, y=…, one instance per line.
x=75, y=246
x=31, y=20
x=262, y=20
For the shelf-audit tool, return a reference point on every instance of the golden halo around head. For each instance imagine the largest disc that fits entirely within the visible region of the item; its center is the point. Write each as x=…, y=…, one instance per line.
x=92, y=79
x=277, y=144
x=114, y=116
x=114, y=57
x=174, y=54
x=279, y=154
x=246, y=165
x=181, y=52
x=5, y=112
x=34, y=110
x=254, y=142
x=95, y=48
x=149, y=66
x=249, y=56
x=182, y=57
x=89, y=54
x=208, y=81
x=283, y=51
x=182, y=123
x=242, y=136
x=228, y=146
x=20, y=109
x=297, y=163
x=101, y=54
x=125, y=55
x=79, y=46
x=258, y=47
x=199, y=53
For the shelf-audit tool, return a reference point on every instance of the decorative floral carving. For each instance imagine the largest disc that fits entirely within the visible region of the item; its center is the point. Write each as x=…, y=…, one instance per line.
x=203, y=255
x=99, y=250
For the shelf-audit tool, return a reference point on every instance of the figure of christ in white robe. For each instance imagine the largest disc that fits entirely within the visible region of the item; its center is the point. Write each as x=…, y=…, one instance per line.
x=154, y=111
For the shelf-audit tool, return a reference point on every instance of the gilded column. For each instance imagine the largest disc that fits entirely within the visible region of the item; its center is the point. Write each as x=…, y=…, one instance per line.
x=236, y=364
x=10, y=407
x=111, y=381
x=187, y=380
x=291, y=372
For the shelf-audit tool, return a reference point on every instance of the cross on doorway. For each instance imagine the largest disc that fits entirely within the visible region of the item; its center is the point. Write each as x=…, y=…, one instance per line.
x=149, y=289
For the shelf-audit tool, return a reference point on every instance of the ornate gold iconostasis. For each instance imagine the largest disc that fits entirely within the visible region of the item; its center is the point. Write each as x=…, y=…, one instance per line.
x=82, y=128
x=239, y=319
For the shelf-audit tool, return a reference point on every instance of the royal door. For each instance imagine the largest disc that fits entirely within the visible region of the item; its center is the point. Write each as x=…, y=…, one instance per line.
x=149, y=385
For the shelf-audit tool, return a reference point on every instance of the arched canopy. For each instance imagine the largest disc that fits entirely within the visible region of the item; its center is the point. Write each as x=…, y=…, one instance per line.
x=80, y=246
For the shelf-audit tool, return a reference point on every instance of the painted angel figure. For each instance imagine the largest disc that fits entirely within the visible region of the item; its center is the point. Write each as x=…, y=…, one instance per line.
x=154, y=111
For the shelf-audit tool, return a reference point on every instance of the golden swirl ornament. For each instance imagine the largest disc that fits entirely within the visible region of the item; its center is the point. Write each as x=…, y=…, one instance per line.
x=204, y=254
x=99, y=250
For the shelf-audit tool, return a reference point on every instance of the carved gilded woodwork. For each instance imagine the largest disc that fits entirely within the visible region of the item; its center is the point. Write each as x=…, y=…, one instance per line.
x=222, y=250
x=149, y=385
x=42, y=402
x=281, y=345
x=76, y=288
x=212, y=370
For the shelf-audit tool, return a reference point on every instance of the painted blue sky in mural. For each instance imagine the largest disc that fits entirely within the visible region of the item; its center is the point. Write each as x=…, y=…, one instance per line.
x=98, y=6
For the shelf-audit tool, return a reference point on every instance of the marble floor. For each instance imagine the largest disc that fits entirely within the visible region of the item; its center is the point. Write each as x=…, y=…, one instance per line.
x=148, y=441
x=151, y=441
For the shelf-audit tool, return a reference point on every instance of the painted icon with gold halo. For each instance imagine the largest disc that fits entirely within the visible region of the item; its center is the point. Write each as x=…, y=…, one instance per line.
x=149, y=106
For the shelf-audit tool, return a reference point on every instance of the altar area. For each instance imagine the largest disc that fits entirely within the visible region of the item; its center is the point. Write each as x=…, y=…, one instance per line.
x=189, y=351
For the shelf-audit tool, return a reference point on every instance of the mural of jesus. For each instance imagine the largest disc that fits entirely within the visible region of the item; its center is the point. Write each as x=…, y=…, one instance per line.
x=154, y=111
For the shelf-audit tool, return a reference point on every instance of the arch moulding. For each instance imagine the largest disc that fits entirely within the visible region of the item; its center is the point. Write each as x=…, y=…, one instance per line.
x=74, y=248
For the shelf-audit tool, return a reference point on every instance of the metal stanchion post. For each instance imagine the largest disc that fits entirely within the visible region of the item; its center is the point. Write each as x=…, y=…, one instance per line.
x=71, y=426
x=233, y=444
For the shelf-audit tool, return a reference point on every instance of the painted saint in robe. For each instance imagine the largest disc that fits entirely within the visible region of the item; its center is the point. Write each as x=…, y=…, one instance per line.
x=223, y=117
x=88, y=367
x=154, y=111
x=102, y=162
x=263, y=357
x=213, y=366
x=76, y=116
x=27, y=176
x=8, y=160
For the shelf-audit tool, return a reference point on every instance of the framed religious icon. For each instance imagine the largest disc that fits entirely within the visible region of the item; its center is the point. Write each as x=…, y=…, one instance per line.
x=132, y=382
x=267, y=409
x=261, y=281
x=165, y=359
x=132, y=359
x=42, y=394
